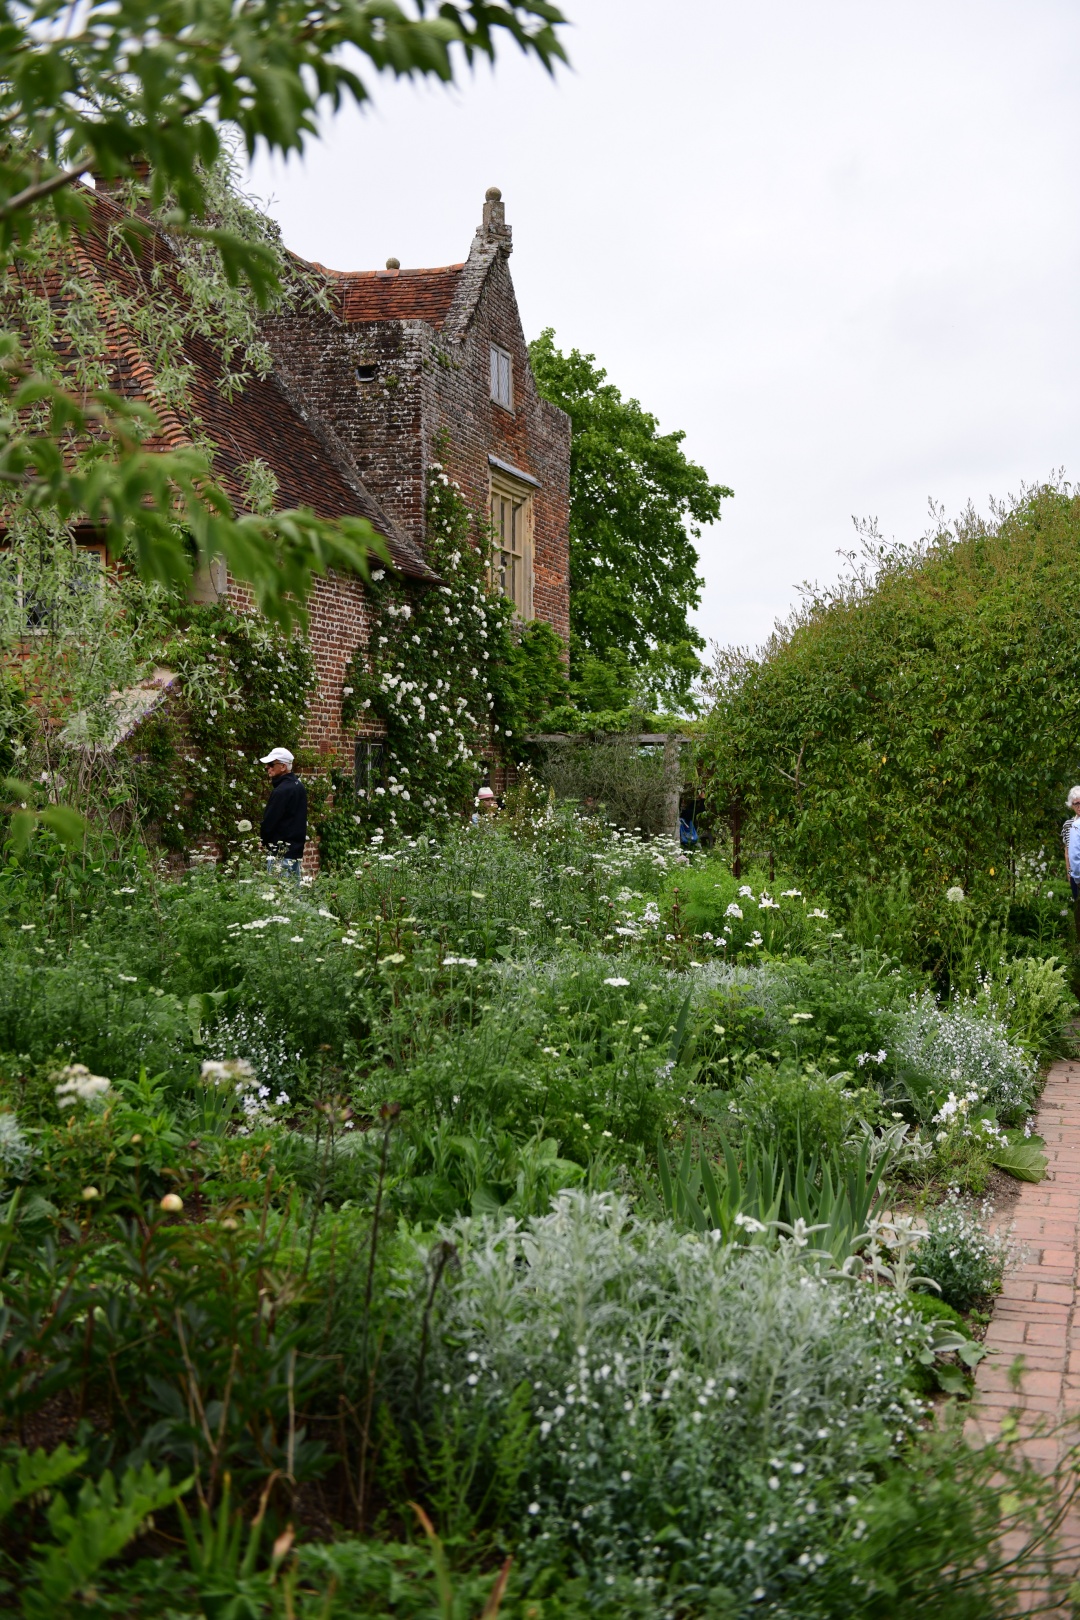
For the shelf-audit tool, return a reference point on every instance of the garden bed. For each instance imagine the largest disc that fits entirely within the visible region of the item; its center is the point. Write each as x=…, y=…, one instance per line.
x=535, y=1176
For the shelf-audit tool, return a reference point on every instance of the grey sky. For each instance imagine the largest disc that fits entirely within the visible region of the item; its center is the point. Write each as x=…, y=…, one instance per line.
x=836, y=241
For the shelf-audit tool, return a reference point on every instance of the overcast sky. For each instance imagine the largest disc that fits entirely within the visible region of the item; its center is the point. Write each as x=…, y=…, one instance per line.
x=836, y=241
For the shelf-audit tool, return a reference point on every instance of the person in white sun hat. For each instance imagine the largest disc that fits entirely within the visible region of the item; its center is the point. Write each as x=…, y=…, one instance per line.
x=284, y=822
x=1070, y=837
x=486, y=805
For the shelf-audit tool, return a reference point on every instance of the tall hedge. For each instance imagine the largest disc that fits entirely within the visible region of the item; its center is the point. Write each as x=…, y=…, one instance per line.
x=923, y=716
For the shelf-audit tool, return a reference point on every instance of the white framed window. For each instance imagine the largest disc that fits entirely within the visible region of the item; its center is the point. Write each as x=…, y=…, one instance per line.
x=502, y=378
x=512, y=543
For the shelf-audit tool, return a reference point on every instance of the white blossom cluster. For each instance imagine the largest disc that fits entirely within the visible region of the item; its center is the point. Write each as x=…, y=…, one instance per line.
x=959, y=1052
x=430, y=671
x=75, y=1083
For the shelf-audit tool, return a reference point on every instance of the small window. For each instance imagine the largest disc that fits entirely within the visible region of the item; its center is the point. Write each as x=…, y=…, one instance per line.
x=502, y=378
x=366, y=373
x=511, y=561
x=368, y=767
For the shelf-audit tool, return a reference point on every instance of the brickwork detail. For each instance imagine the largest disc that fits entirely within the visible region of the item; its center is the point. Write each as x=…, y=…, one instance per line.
x=385, y=391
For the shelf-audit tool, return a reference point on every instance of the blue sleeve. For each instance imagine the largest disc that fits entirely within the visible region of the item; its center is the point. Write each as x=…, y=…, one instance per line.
x=1074, y=849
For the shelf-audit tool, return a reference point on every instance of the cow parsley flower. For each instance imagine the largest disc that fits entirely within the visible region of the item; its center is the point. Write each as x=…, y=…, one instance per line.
x=77, y=1084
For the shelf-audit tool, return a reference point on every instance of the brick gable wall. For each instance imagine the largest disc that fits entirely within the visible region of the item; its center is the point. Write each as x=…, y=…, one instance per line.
x=534, y=436
x=430, y=376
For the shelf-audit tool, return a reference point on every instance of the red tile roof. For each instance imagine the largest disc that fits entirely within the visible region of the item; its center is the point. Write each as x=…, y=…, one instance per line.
x=396, y=295
x=261, y=420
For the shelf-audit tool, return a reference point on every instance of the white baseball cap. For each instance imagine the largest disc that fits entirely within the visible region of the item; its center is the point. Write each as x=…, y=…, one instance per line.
x=278, y=753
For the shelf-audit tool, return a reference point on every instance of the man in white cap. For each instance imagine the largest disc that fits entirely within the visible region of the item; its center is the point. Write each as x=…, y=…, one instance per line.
x=284, y=822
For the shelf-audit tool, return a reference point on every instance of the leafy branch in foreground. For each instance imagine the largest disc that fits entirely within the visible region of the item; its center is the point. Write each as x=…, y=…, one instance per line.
x=194, y=77
x=190, y=68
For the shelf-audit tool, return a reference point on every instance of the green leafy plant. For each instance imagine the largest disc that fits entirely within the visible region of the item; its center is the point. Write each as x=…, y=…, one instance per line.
x=961, y=1255
x=84, y=1534
x=828, y=1202
x=636, y=506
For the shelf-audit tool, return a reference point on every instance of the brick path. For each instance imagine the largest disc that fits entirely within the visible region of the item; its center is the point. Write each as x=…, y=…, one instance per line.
x=1036, y=1315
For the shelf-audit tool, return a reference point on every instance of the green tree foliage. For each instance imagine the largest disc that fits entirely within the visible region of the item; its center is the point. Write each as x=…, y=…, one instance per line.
x=636, y=507
x=145, y=95
x=923, y=716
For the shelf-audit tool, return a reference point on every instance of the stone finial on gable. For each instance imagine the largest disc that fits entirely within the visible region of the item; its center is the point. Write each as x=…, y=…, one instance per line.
x=494, y=228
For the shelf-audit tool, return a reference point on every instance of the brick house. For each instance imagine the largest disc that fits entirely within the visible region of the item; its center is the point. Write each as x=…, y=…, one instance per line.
x=407, y=368
x=402, y=368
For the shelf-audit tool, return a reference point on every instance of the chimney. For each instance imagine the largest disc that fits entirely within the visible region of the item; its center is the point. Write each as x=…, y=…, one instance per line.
x=494, y=228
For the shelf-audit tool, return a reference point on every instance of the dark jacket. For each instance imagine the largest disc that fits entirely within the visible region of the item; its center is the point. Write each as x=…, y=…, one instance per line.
x=284, y=822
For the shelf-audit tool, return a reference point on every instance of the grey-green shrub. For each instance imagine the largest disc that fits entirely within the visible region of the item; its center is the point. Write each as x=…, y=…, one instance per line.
x=936, y=1050
x=704, y=1415
x=962, y=1255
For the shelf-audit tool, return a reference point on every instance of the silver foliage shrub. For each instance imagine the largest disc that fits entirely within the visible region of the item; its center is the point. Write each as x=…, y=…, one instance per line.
x=707, y=1416
x=957, y=1048
x=16, y=1153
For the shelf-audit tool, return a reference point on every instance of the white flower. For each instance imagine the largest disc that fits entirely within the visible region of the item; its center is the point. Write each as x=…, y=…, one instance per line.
x=617, y=984
x=748, y=1223
x=128, y=978
x=243, y=826
x=954, y=895
x=817, y=912
x=77, y=1084
x=458, y=961
x=733, y=910
x=236, y=1072
x=746, y=892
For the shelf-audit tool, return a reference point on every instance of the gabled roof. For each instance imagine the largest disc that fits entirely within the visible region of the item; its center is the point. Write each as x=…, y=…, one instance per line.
x=261, y=420
x=445, y=298
x=395, y=295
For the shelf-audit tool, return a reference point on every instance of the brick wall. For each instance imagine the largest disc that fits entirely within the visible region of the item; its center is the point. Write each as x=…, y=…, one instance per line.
x=340, y=621
x=534, y=436
x=432, y=376
x=386, y=392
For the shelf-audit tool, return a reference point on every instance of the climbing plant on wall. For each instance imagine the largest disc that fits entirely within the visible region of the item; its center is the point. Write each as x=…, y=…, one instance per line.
x=427, y=673
x=244, y=688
